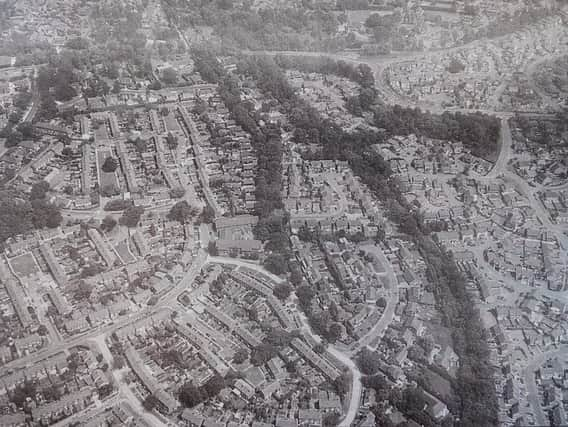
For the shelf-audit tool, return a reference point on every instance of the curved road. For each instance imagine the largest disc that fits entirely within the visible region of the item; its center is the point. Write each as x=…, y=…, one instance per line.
x=356, y=385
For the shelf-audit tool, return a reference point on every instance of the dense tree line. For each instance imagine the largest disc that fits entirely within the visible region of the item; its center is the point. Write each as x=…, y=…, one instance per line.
x=508, y=23
x=474, y=383
x=360, y=73
x=479, y=132
x=19, y=214
x=274, y=28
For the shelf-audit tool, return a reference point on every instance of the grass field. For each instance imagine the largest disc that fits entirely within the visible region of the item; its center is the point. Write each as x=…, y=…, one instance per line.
x=24, y=265
x=124, y=253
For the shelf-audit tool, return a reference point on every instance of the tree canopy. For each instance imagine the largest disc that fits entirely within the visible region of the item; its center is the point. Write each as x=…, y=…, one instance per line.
x=109, y=165
x=182, y=212
x=131, y=216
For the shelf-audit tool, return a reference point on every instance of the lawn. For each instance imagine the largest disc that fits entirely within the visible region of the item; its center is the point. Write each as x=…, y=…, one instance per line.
x=24, y=265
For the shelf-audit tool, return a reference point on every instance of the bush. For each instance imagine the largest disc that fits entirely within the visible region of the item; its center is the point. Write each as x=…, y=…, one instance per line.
x=282, y=291
x=181, y=212
x=131, y=216
x=368, y=361
x=240, y=356
x=39, y=190
x=177, y=192
x=276, y=263
x=110, y=164
x=108, y=223
x=191, y=396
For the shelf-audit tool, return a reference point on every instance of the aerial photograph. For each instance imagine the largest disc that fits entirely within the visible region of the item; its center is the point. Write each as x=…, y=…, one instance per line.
x=283, y=213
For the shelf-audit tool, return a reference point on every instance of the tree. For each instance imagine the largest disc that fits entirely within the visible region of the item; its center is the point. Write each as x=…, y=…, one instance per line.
x=381, y=302
x=263, y=353
x=117, y=362
x=150, y=403
x=109, y=190
x=26, y=129
x=110, y=164
x=51, y=393
x=108, y=223
x=39, y=190
x=116, y=87
x=177, y=192
x=296, y=276
x=16, y=217
x=181, y=212
x=212, y=249
x=45, y=214
x=131, y=216
x=214, y=386
x=15, y=117
x=282, y=291
x=22, y=100
x=276, y=263
x=456, y=66
x=331, y=419
x=305, y=294
x=155, y=85
x=240, y=355
x=334, y=332
x=368, y=361
x=13, y=138
x=84, y=289
x=207, y=215
x=64, y=91
x=171, y=141
x=169, y=76
x=191, y=396
x=342, y=384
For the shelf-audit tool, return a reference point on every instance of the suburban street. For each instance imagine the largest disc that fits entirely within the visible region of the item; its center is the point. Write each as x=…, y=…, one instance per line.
x=391, y=298
x=532, y=388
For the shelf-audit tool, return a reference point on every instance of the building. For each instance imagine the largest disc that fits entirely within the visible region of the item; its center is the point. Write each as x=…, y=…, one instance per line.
x=318, y=362
x=59, y=302
x=102, y=247
x=20, y=306
x=166, y=402
x=239, y=247
x=225, y=226
x=43, y=128
x=140, y=243
x=127, y=168
x=435, y=407
x=191, y=419
x=56, y=269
